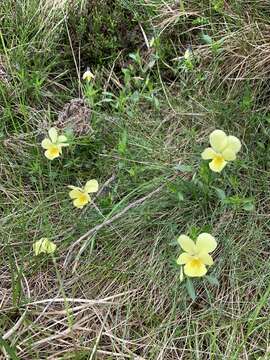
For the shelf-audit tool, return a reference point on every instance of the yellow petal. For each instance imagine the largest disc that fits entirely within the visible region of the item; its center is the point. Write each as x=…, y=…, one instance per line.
x=91, y=186
x=234, y=143
x=46, y=143
x=53, y=134
x=183, y=259
x=62, y=140
x=88, y=75
x=187, y=244
x=206, y=258
x=228, y=154
x=53, y=152
x=50, y=247
x=218, y=140
x=44, y=245
x=217, y=164
x=188, y=54
x=208, y=154
x=77, y=204
x=206, y=243
x=75, y=193
x=81, y=200
x=195, y=268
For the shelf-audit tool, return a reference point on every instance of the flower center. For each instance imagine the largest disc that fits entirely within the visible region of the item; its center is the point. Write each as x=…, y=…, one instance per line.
x=83, y=198
x=218, y=160
x=195, y=262
x=54, y=150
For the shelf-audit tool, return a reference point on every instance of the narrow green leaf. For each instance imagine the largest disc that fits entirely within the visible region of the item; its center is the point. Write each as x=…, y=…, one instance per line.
x=212, y=280
x=249, y=206
x=190, y=289
x=9, y=350
x=207, y=39
x=220, y=193
x=180, y=196
x=184, y=168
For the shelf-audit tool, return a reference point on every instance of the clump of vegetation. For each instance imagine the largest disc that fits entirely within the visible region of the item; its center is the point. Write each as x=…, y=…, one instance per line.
x=106, y=110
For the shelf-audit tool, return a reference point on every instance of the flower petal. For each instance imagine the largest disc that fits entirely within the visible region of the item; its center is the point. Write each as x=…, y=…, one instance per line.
x=53, y=134
x=183, y=259
x=51, y=153
x=234, y=143
x=88, y=75
x=217, y=165
x=75, y=193
x=206, y=258
x=78, y=204
x=46, y=143
x=187, y=244
x=218, y=140
x=208, y=154
x=206, y=243
x=44, y=245
x=50, y=247
x=229, y=154
x=91, y=186
x=195, y=271
x=61, y=139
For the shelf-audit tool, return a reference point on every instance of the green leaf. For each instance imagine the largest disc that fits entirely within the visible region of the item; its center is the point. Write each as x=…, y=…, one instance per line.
x=10, y=350
x=212, y=280
x=122, y=144
x=184, y=168
x=207, y=39
x=180, y=196
x=220, y=193
x=190, y=289
x=249, y=206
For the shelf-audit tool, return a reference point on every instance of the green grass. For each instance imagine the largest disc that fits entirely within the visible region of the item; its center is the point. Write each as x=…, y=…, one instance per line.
x=151, y=115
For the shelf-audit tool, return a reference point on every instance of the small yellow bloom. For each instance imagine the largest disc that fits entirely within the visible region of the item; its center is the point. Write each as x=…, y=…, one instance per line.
x=80, y=196
x=44, y=245
x=88, y=75
x=53, y=144
x=196, y=255
x=188, y=54
x=223, y=149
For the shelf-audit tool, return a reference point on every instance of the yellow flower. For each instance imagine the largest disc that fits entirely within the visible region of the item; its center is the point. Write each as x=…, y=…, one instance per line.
x=188, y=54
x=80, y=196
x=88, y=75
x=223, y=149
x=54, y=144
x=196, y=255
x=44, y=245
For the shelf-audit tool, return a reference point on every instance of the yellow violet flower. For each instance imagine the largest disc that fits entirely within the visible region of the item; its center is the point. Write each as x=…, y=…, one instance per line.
x=188, y=54
x=196, y=255
x=44, y=245
x=88, y=75
x=80, y=196
x=53, y=144
x=223, y=149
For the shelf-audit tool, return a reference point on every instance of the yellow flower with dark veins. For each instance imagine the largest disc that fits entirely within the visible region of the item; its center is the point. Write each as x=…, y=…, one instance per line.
x=44, y=245
x=80, y=196
x=196, y=256
x=223, y=149
x=53, y=144
x=88, y=75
